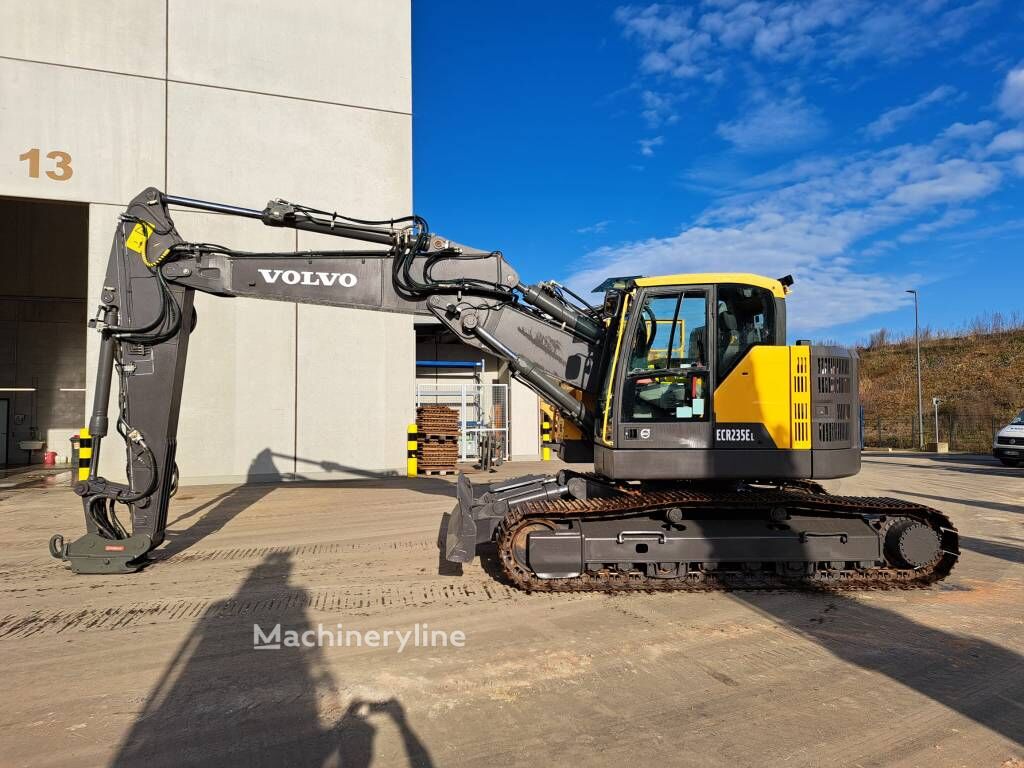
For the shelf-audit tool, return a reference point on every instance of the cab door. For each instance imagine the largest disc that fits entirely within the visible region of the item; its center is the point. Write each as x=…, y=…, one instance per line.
x=665, y=366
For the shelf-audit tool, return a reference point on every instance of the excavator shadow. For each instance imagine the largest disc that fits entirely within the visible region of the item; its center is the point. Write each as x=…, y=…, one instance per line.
x=223, y=701
x=971, y=464
x=971, y=676
x=995, y=506
x=262, y=479
x=1011, y=553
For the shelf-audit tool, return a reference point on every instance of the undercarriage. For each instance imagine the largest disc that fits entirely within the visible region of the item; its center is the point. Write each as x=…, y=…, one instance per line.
x=578, y=532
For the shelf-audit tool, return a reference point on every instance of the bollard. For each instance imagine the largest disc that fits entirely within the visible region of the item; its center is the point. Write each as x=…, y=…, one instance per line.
x=84, y=454
x=411, y=446
x=545, y=438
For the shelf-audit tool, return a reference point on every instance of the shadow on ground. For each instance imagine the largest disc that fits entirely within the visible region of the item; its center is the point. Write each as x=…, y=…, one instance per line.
x=261, y=480
x=222, y=702
x=1011, y=553
x=993, y=505
x=974, y=464
x=974, y=677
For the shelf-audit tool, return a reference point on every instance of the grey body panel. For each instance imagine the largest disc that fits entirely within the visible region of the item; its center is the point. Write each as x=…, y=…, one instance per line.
x=739, y=464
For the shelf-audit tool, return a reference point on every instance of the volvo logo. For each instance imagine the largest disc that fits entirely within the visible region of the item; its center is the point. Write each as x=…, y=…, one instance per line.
x=294, y=277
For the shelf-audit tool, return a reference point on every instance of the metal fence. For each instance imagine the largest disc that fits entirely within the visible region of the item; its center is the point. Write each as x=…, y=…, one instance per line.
x=963, y=432
x=483, y=411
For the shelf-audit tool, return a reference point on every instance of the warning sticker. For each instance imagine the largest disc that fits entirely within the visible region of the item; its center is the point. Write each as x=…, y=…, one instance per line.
x=139, y=237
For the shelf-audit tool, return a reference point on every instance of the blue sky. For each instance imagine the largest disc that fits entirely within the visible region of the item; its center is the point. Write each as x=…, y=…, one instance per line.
x=863, y=147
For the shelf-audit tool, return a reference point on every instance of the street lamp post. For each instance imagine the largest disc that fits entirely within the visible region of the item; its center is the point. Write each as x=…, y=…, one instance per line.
x=920, y=399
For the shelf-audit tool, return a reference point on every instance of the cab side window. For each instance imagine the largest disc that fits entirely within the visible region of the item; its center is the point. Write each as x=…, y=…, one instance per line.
x=746, y=318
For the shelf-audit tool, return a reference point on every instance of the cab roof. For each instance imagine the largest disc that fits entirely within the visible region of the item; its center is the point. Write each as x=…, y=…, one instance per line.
x=779, y=288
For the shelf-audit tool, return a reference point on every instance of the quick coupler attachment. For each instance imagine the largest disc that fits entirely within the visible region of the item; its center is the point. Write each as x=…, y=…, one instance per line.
x=93, y=553
x=473, y=521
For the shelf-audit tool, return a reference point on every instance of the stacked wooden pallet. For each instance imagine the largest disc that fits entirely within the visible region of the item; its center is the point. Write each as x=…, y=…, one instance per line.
x=438, y=439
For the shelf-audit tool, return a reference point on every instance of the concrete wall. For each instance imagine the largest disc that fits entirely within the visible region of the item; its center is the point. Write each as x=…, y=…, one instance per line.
x=235, y=101
x=42, y=321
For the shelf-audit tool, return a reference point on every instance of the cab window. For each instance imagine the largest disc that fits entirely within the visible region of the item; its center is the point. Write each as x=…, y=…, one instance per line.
x=746, y=318
x=667, y=374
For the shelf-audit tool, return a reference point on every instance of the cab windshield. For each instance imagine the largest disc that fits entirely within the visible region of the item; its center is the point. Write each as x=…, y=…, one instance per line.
x=1019, y=420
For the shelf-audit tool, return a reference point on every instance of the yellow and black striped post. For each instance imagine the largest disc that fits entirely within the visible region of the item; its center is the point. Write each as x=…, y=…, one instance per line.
x=410, y=450
x=545, y=437
x=84, y=454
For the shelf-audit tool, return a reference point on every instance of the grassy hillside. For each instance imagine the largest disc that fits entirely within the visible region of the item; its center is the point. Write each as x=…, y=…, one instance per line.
x=979, y=377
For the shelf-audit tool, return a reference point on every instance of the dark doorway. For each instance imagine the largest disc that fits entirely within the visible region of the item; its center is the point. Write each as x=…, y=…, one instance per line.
x=44, y=258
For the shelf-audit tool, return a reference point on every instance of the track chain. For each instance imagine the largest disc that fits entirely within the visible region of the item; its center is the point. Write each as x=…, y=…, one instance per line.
x=801, y=497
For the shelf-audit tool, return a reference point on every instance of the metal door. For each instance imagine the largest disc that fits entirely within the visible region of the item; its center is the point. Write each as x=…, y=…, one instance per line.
x=689, y=423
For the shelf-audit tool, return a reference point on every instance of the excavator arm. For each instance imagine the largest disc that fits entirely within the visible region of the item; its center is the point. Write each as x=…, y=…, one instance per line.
x=146, y=317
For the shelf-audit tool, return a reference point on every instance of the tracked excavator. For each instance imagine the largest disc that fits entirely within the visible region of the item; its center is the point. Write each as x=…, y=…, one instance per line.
x=706, y=432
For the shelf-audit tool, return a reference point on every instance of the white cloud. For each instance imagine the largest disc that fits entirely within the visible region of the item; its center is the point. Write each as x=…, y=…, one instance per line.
x=1007, y=141
x=658, y=108
x=688, y=44
x=1011, y=98
x=951, y=218
x=647, y=145
x=811, y=221
x=889, y=121
x=774, y=125
x=951, y=181
x=594, y=229
x=970, y=131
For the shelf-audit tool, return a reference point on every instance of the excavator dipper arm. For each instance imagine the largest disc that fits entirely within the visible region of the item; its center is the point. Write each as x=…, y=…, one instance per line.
x=146, y=317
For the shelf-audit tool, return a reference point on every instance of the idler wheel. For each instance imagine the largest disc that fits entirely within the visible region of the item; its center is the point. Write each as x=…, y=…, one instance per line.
x=520, y=539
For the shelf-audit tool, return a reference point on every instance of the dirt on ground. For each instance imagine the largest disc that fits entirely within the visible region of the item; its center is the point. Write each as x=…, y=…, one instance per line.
x=159, y=668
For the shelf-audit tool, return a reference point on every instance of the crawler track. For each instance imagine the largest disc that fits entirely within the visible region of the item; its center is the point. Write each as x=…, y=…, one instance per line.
x=628, y=502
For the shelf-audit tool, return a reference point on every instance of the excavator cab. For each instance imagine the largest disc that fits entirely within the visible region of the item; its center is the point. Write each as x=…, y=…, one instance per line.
x=701, y=384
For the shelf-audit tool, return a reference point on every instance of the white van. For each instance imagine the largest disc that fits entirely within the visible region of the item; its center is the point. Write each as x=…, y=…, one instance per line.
x=1009, y=443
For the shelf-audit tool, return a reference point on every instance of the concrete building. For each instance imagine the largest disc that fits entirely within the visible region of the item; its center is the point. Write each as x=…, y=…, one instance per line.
x=222, y=100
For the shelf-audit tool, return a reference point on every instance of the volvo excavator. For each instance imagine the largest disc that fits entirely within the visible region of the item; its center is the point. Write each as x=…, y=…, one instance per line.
x=706, y=432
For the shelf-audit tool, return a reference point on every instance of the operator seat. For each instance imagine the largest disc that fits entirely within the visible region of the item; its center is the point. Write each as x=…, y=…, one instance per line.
x=729, y=344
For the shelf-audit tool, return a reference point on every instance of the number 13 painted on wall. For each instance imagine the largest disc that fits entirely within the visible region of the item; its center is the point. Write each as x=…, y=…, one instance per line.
x=62, y=170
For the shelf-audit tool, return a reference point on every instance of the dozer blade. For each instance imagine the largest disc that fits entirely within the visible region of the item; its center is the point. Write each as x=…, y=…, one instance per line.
x=475, y=520
x=460, y=545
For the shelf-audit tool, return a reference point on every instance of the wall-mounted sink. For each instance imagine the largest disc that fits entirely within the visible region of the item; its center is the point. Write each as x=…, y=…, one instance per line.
x=31, y=445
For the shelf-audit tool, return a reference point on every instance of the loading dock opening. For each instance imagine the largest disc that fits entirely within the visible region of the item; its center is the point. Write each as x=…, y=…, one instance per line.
x=44, y=261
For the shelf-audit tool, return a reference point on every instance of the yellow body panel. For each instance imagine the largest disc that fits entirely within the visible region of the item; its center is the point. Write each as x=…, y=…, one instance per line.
x=707, y=278
x=758, y=391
